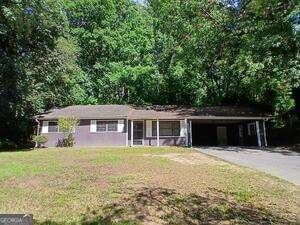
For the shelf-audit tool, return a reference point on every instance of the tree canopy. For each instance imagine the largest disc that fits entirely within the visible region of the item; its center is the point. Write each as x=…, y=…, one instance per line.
x=193, y=52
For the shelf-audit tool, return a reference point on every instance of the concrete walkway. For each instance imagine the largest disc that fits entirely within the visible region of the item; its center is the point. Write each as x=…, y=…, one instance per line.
x=276, y=161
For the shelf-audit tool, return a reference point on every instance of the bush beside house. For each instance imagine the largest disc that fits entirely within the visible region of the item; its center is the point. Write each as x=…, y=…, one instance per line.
x=67, y=126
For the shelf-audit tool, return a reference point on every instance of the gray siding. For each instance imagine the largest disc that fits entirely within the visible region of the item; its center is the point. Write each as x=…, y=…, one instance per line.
x=83, y=137
x=165, y=141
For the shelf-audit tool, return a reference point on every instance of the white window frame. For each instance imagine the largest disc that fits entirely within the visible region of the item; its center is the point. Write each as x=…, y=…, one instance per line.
x=51, y=121
x=106, y=126
x=45, y=127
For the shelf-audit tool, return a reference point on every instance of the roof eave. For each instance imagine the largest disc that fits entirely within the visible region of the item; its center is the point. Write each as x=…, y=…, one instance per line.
x=83, y=118
x=230, y=117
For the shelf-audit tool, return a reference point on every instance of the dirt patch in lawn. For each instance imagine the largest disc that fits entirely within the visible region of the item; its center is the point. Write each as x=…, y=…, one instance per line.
x=28, y=182
x=103, y=184
x=156, y=205
x=189, y=159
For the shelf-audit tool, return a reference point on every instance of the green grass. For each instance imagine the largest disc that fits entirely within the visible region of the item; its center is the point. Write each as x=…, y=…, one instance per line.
x=108, y=159
x=130, y=186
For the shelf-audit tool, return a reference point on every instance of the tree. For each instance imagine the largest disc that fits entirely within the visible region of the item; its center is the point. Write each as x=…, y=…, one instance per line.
x=36, y=71
x=68, y=126
x=116, y=41
x=240, y=52
x=198, y=53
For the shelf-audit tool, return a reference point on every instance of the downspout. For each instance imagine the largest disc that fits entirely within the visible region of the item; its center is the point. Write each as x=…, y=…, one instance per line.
x=37, y=131
x=126, y=127
x=38, y=126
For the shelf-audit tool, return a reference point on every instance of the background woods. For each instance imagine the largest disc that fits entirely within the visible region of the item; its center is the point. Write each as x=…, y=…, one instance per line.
x=193, y=52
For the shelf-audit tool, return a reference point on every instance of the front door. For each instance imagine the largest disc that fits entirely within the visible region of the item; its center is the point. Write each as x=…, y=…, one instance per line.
x=222, y=135
x=138, y=132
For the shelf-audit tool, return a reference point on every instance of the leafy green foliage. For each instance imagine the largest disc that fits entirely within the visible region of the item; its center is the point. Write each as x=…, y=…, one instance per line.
x=196, y=53
x=116, y=49
x=6, y=144
x=68, y=126
x=38, y=68
x=216, y=55
x=39, y=140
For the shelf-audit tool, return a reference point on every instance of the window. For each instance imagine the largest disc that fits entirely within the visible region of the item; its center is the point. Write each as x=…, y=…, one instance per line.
x=251, y=129
x=103, y=126
x=112, y=126
x=166, y=128
x=52, y=127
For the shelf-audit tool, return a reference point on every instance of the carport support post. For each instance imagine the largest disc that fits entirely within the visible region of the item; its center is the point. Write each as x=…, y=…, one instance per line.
x=258, y=134
x=265, y=134
x=131, y=132
x=157, y=132
x=191, y=135
x=126, y=134
x=186, y=133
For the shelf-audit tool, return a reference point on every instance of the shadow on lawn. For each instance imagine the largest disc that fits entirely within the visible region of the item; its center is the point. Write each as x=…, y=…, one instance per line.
x=166, y=206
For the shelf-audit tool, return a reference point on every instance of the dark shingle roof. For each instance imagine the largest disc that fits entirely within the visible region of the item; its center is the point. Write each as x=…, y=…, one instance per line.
x=88, y=112
x=152, y=112
x=175, y=112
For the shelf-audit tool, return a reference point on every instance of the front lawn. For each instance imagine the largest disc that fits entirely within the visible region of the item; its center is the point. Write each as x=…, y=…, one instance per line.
x=140, y=186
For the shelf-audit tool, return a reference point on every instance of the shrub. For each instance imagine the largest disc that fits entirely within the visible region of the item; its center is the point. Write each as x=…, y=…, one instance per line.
x=68, y=126
x=39, y=140
x=68, y=141
x=7, y=144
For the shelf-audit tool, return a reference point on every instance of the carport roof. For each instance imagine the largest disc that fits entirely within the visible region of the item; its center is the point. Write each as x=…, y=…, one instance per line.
x=154, y=112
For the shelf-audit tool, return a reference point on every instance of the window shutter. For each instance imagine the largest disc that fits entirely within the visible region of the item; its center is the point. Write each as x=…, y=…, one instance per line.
x=148, y=128
x=45, y=127
x=93, y=126
x=120, y=125
x=183, y=128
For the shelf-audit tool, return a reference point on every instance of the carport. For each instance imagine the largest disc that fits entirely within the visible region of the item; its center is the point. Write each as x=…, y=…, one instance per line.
x=212, y=133
x=227, y=131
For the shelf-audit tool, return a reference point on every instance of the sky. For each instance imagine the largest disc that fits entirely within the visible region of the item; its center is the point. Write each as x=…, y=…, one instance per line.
x=140, y=1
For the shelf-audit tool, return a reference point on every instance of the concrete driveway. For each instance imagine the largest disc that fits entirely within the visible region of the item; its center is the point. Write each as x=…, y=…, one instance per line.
x=276, y=161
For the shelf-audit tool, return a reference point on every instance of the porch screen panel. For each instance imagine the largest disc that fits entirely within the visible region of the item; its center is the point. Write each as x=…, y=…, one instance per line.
x=166, y=128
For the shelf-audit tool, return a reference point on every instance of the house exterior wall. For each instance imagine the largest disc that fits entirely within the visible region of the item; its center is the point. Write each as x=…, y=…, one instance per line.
x=84, y=137
x=53, y=139
x=152, y=141
x=165, y=141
